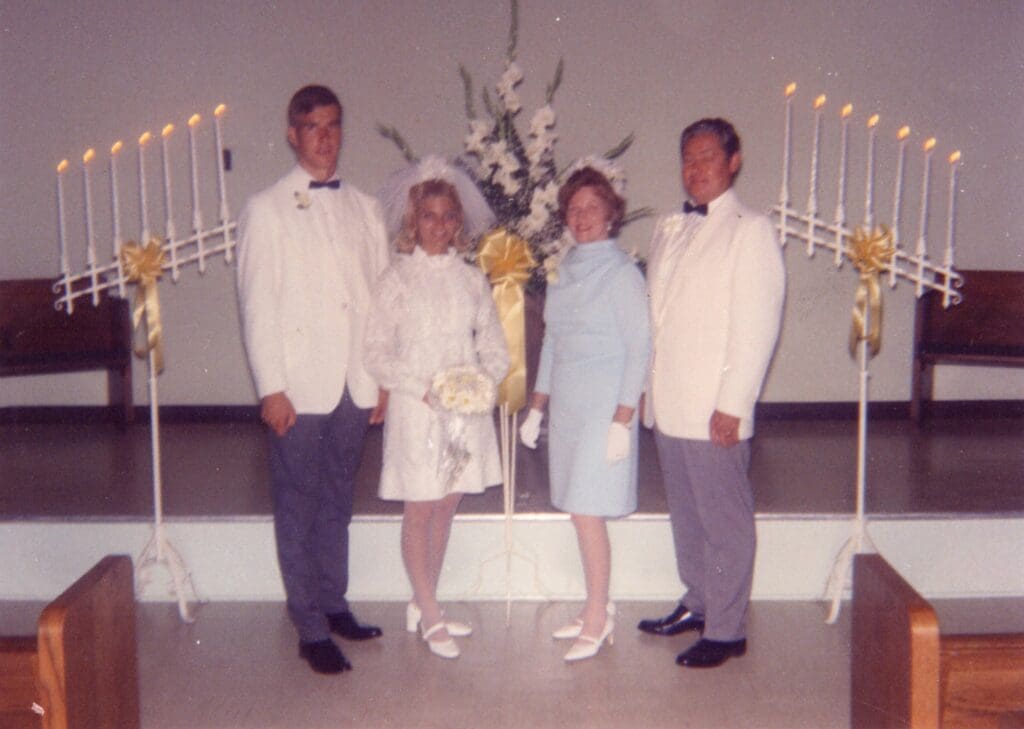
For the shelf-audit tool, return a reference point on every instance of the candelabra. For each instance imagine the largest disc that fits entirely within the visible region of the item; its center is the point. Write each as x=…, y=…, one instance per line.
x=876, y=252
x=142, y=264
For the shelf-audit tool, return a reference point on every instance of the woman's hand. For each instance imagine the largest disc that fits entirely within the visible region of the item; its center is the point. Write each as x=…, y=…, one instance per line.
x=529, y=431
x=618, y=442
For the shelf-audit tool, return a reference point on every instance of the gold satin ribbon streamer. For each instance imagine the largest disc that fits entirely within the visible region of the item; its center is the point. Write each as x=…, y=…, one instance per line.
x=870, y=253
x=508, y=263
x=143, y=266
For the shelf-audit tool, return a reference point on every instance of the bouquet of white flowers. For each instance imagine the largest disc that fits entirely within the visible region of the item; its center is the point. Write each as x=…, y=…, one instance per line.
x=458, y=393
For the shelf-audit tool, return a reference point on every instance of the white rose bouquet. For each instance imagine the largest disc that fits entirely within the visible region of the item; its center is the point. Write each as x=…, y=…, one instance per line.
x=458, y=393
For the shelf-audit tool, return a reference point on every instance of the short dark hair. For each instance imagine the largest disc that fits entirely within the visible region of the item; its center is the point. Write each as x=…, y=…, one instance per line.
x=721, y=128
x=308, y=98
x=589, y=177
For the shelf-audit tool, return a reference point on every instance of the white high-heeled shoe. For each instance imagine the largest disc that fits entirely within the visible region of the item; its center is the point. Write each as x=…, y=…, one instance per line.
x=572, y=630
x=455, y=628
x=442, y=648
x=587, y=647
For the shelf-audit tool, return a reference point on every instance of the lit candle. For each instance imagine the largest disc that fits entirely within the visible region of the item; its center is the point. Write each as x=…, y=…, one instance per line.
x=869, y=181
x=224, y=214
x=65, y=267
x=901, y=137
x=197, y=222
x=812, y=196
x=784, y=194
x=947, y=262
x=143, y=141
x=165, y=134
x=90, y=244
x=115, y=211
x=921, y=252
x=844, y=115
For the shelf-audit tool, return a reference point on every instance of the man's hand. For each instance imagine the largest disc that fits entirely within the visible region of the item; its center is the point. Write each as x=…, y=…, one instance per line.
x=725, y=429
x=378, y=412
x=277, y=411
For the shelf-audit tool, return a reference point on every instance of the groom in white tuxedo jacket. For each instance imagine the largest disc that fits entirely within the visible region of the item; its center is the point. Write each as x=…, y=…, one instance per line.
x=310, y=250
x=716, y=283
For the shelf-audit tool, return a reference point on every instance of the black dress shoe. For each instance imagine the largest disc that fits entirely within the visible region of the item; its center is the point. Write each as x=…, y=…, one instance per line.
x=710, y=653
x=324, y=657
x=346, y=625
x=678, y=621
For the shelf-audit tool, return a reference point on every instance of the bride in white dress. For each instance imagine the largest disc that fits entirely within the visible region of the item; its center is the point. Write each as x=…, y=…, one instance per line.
x=432, y=311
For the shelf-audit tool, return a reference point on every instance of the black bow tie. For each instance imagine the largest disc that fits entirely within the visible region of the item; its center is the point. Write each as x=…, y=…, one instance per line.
x=333, y=184
x=689, y=207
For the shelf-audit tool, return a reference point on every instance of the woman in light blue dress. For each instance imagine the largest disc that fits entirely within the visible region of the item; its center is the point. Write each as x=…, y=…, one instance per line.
x=592, y=368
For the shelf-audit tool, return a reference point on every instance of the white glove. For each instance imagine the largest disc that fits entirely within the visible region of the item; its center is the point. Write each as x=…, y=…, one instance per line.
x=529, y=431
x=618, y=442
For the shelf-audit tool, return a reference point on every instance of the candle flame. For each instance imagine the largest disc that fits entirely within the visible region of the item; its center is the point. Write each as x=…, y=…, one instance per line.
x=819, y=102
x=219, y=111
x=62, y=166
x=89, y=154
x=146, y=136
x=929, y=144
x=955, y=157
x=847, y=110
x=790, y=89
x=873, y=121
x=117, y=147
x=903, y=133
x=167, y=131
x=194, y=120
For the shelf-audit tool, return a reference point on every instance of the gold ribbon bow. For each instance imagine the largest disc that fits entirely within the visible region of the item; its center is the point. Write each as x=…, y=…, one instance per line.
x=508, y=263
x=870, y=253
x=143, y=266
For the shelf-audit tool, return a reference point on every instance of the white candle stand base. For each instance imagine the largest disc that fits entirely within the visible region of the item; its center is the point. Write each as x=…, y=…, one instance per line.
x=513, y=549
x=159, y=551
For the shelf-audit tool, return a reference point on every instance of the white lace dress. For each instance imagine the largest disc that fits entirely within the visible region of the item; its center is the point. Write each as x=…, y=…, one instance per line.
x=430, y=313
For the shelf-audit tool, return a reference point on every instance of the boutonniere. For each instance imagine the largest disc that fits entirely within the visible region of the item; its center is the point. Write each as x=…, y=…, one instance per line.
x=302, y=199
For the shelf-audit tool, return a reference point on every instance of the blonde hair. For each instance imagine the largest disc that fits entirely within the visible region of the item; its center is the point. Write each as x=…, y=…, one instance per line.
x=407, y=238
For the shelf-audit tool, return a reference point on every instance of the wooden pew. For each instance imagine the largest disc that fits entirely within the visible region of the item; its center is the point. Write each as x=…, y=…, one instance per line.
x=36, y=339
x=986, y=328
x=81, y=667
x=905, y=673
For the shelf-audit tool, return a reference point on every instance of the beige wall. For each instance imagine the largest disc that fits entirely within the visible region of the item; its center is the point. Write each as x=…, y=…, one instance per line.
x=74, y=78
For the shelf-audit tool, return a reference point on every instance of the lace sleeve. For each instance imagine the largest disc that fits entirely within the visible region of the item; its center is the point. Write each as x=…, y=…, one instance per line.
x=382, y=346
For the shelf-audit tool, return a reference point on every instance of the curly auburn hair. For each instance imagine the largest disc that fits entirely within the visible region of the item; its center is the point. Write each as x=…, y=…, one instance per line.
x=408, y=238
x=589, y=177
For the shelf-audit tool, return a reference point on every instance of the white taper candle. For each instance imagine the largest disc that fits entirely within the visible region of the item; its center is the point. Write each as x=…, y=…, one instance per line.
x=921, y=252
x=869, y=179
x=786, y=140
x=197, y=220
x=897, y=196
x=812, y=196
x=840, y=218
x=115, y=212
x=947, y=261
x=65, y=267
x=221, y=184
x=171, y=237
x=143, y=141
x=90, y=242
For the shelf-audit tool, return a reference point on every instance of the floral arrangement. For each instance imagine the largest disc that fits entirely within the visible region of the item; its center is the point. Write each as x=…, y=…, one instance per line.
x=517, y=174
x=463, y=390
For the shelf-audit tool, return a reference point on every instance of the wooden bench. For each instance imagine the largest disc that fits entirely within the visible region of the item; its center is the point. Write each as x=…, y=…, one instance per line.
x=37, y=339
x=906, y=673
x=81, y=667
x=986, y=328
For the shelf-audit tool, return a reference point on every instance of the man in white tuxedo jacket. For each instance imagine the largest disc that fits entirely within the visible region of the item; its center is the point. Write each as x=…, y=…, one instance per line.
x=716, y=284
x=310, y=249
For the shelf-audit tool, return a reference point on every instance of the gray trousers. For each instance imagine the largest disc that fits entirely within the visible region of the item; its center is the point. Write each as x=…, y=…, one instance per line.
x=312, y=473
x=711, y=505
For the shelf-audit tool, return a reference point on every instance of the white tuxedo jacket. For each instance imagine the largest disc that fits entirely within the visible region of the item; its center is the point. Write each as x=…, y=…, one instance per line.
x=716, y=308
x=307, y=262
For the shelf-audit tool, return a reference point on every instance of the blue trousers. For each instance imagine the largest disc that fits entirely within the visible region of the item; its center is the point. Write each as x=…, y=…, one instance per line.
x=312, y=473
